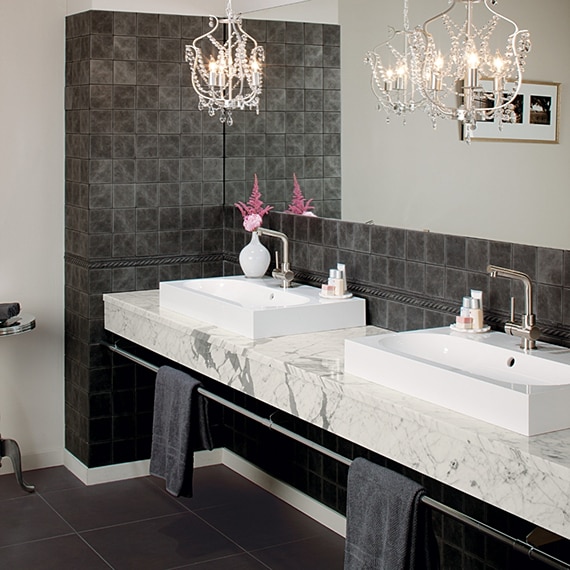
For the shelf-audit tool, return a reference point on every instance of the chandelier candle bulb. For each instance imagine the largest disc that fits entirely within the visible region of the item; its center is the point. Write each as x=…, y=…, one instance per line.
x=213, y=68
x=255, y=74
x=498, y=84
x=435, y=84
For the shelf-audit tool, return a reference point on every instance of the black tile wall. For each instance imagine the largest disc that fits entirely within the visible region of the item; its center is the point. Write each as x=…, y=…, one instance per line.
x=142, y=204
x=298, y=128
x=147, y=174
x=417, y=279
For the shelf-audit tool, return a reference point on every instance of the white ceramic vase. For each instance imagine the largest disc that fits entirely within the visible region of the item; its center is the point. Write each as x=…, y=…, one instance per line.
x=254, y=258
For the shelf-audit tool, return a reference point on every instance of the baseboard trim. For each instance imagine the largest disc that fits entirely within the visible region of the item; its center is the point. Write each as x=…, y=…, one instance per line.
x=121, y=471
x=307, y=505
x=34, y=461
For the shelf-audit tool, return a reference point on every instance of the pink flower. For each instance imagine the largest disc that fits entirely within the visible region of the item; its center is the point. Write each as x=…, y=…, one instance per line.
x=254, y=207
x=299, y=205
x=252, y=222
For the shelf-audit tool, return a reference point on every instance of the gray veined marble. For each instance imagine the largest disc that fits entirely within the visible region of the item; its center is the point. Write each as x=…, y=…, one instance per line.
x=303, y=375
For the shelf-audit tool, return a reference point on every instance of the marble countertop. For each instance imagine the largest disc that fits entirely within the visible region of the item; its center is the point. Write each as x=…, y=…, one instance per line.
x=303, y=375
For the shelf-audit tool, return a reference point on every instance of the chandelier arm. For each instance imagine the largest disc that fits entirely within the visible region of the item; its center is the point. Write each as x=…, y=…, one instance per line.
x=446, y=111
x=513, y=42
x=436, y=17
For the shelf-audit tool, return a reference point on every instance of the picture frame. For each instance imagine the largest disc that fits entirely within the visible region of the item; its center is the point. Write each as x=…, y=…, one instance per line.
x=537, y=106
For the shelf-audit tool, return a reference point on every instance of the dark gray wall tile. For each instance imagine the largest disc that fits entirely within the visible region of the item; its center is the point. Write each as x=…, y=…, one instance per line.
x=550, y=265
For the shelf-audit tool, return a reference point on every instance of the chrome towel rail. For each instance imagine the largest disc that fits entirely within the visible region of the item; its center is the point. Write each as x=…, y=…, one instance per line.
x=519, y=545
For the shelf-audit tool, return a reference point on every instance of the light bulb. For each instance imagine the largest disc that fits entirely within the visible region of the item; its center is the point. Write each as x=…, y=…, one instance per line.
x=438, y=63
x=472, y=60
x=498, y=63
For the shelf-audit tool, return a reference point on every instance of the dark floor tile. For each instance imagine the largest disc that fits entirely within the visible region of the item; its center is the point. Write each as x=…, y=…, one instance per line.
x=112, y=503
x=217, y=485
x=52, y=479
x=9, y=488
x=266, y=521
x=65, y=552
x=239, y=562
x=318, y=552
x=29, y=518
x=160, y=543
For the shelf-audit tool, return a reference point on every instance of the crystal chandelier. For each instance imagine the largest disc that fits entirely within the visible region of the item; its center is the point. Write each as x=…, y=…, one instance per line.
x=226, y=76
x=393, y=81
x=452, y=78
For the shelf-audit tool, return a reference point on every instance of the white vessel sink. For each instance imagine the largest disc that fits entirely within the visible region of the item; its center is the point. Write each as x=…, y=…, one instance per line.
x=486, y=376
x=260, y=308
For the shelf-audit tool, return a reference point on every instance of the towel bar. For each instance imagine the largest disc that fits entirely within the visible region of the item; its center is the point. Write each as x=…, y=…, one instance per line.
x=518, y=545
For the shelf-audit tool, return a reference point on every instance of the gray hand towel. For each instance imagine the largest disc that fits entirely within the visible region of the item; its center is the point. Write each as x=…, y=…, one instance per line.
x=387, y=526
x=9, y=310
x=180, y=427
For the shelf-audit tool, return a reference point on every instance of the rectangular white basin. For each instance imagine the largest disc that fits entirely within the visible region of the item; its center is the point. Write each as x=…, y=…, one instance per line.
x=486, y=376
x=260, y=308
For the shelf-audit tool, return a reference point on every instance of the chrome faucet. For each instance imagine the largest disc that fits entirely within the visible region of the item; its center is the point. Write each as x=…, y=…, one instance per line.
x=527, y=331
x=282, y=273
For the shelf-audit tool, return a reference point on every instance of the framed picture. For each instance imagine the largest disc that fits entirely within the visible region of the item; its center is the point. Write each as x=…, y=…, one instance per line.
x=536, y=110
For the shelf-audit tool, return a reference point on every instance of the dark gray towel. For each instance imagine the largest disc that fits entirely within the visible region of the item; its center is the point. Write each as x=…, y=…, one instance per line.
x=180, y=427
x=387, y=526
x=9, y=310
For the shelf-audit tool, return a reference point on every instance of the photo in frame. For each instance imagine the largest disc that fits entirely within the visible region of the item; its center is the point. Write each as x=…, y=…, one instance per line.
x=536, y=108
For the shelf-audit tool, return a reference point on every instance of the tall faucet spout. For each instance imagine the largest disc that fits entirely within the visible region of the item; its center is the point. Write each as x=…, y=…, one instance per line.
x=527, y=330
x=496, y=271
x=282, y=273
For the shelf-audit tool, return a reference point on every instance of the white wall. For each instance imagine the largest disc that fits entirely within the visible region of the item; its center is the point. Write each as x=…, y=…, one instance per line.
x=32, y=224
x=418, y=178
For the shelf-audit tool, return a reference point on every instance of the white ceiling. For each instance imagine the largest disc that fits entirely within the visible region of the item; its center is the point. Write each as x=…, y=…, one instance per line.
x=245, y=6
x=188, y=7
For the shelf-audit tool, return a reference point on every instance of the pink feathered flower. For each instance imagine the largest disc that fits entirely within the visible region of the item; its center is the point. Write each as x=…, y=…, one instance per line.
x=299, y=205
x=254, y=210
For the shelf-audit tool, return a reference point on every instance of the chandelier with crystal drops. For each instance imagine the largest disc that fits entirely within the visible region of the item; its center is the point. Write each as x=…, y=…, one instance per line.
x=392, y=73
x=226, y=74
x=452, y=78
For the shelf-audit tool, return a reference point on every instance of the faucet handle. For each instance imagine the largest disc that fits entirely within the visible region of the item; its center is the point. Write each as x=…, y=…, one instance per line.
x=276, y=259
x=513, y=309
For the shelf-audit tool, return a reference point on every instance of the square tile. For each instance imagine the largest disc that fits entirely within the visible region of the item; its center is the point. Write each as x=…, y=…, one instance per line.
x=163, y=542
x=54, y=554
x=112, y=504
x=270, y=522
x=319, y=552
x=29, y=518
